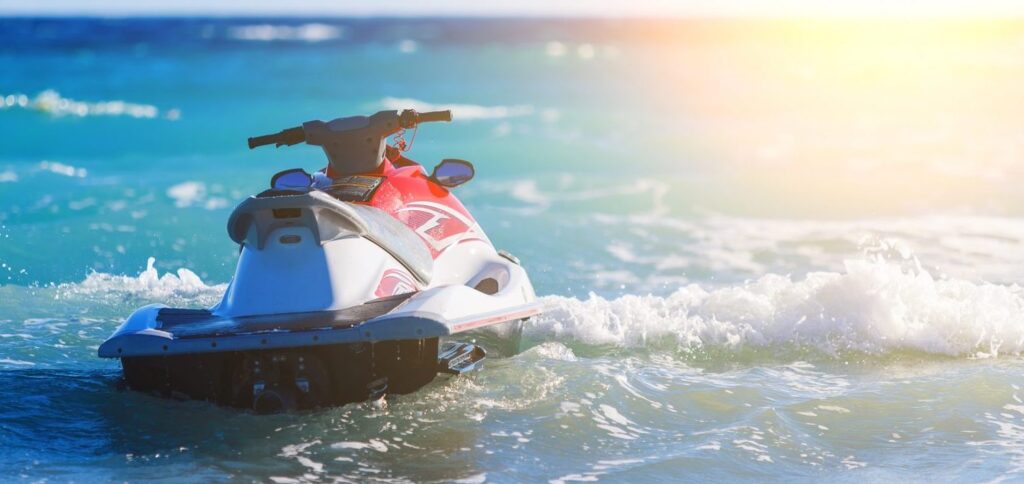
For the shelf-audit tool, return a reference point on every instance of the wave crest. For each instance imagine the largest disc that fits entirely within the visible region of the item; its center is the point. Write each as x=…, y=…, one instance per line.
x=52, y=103
x=463, y=112
x=311, y=32
x=874, y=307
x=183, y=286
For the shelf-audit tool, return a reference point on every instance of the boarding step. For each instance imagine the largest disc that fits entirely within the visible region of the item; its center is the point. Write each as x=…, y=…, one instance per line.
x=459, y=358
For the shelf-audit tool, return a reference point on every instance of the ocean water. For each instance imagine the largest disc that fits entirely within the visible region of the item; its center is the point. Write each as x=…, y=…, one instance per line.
x=768, y=250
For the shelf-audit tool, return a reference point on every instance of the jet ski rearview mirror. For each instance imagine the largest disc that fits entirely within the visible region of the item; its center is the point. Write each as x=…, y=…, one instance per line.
x=295, y=178
x=452, y=172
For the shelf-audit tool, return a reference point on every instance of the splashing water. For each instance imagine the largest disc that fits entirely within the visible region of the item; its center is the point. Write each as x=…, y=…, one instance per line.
x=873, y=307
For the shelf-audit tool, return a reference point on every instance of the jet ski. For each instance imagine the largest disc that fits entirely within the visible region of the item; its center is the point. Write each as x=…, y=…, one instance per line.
x=366, y=279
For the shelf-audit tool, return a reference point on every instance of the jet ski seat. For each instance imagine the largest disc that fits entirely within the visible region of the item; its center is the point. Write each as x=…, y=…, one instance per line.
x=328, y=219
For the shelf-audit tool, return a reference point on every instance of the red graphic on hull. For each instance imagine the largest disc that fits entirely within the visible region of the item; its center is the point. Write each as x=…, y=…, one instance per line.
x=394, y=282
x=438, y=225
x=427, y=208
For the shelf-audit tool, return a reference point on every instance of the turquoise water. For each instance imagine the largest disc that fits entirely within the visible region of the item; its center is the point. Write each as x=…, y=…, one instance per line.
x=741, y=284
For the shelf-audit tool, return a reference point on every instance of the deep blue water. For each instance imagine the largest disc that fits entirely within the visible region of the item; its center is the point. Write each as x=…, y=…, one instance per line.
x=760, y=262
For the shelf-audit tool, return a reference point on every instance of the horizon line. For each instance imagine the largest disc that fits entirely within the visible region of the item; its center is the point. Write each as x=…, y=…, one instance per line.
x=941, y=15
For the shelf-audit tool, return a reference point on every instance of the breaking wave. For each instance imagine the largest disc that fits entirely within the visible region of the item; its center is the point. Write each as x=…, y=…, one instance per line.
x=183, y=288
x=189, y=193
x=62, y=169
x=311, y=32
x=52, y=103
x=528, y=193
x=873, y=307
x=462, y=112
x=61, y=325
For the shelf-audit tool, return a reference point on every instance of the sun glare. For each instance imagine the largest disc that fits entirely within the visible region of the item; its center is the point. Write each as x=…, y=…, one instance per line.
x=853, y=114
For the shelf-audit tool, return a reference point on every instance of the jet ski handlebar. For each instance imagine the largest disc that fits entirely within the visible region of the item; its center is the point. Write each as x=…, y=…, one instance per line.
x=409, y=118
x=290, y=136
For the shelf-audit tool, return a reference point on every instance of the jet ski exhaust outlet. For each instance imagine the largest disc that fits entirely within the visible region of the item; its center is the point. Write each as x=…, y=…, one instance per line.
x=285, y=382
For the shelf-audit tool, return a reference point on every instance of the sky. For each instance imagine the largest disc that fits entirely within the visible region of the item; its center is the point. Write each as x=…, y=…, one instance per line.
x=599, y=8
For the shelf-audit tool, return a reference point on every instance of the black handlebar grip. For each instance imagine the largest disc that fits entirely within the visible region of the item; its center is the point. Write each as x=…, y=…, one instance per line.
x=292, y=136
x=257, y=141
x=288, y=137
x=433, y=116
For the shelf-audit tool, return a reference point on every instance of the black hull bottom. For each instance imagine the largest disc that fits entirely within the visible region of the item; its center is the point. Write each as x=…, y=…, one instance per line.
x=271, y=381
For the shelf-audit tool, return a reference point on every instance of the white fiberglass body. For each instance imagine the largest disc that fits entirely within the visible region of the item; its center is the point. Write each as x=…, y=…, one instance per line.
x=320, y=266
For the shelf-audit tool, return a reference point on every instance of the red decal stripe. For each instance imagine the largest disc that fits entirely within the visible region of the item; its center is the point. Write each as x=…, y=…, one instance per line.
x=495, y=319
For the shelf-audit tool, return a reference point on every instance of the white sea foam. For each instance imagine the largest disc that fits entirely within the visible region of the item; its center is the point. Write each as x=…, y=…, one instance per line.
x=12, y=362
x=551, y=351
x=462, y=112
x=215, y=203
x=659, y=244
x=62, y=169
x=526, y=191
x=148, y=285
x=529, y=192
x=873, y=306
x=374, y=444
x=311, y=32
x=8, y=176
x=189, y=193
x=473, y=479
x=555, y=49
x=51, y=102
x=408, y=46
x=584, y=51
